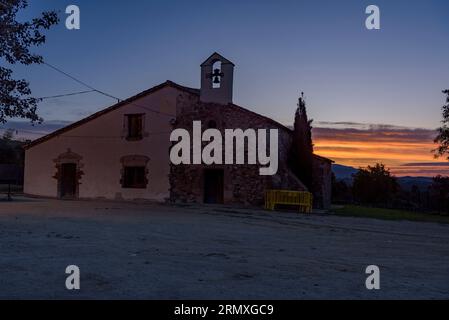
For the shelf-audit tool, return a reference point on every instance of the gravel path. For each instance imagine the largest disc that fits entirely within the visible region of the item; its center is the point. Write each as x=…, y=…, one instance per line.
x=149, y=251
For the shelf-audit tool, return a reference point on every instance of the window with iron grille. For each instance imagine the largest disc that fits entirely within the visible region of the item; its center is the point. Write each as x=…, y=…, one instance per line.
x=134, y=177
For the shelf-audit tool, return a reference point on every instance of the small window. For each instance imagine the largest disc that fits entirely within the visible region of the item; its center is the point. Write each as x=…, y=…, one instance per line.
x=135, y=126
x=134, y=177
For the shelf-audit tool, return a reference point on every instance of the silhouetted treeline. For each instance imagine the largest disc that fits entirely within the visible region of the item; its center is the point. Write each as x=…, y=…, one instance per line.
x=11, y=159
x=11, y=151
x=375, y=186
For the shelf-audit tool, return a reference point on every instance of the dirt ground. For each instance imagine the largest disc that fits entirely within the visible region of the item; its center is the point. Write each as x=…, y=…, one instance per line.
x=149, y=251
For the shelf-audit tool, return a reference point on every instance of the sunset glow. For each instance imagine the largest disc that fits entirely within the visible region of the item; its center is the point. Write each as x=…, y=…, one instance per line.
x=406, y=151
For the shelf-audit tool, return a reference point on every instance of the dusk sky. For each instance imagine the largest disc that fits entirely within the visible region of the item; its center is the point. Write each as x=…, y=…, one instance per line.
x=374, y=95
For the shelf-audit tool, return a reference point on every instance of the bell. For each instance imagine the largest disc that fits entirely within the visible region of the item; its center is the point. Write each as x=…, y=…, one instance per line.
x=216, y=79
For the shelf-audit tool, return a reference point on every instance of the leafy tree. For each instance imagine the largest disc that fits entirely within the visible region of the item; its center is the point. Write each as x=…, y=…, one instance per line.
x=415, y=195
x=374, y=185
x=16, y=39
x=439, y=194
x=8, y=135
x=443, y=132
x=341, y=191
x=301, y=156
x=11, y=151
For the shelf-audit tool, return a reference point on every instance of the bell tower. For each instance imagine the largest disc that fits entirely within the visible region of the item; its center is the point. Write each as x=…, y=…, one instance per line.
x=217, y=75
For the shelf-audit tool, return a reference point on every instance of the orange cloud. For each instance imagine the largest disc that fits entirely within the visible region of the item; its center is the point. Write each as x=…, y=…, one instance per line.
x=359, y=145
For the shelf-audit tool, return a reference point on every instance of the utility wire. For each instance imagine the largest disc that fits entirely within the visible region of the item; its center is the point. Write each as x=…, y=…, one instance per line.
x=81, y=82
x=102, y=92
x=155, y=133
x=66, y=95
x=115, y=137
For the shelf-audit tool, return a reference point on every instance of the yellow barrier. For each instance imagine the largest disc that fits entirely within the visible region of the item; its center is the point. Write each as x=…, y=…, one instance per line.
x=299, y=198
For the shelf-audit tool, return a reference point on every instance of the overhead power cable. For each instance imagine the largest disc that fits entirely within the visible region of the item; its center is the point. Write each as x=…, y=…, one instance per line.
x=114, y=137
x=104, y=93
x=81, y=82
x=66, y=95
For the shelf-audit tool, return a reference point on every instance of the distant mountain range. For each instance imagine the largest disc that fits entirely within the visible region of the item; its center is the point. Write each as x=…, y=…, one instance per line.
x=345, y=173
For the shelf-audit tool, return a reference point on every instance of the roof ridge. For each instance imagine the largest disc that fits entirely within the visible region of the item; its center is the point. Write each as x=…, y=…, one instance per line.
x=110, y=109
x=260, y=115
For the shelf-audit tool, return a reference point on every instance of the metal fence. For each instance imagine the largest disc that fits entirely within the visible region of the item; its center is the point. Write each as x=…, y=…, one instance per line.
x=302, y=199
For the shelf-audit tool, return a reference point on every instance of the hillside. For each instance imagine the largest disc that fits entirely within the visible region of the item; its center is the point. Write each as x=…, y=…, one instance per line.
x=345, y=173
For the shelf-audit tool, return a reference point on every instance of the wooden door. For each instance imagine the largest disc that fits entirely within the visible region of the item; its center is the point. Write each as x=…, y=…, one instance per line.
x=213, y=186
x=68, y=180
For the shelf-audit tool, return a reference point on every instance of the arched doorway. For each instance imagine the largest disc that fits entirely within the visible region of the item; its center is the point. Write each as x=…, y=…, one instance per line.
x=68, y=174
x=68, y=180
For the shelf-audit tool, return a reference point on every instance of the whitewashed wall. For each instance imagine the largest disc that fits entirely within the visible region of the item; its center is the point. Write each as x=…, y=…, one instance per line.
x=101, y=144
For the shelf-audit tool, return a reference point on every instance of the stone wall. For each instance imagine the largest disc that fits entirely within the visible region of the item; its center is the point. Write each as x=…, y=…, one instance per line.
x=322, y=182
x=242, y=183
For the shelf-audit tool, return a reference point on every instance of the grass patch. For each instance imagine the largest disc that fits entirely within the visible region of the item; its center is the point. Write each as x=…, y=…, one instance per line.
x=389, y=214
